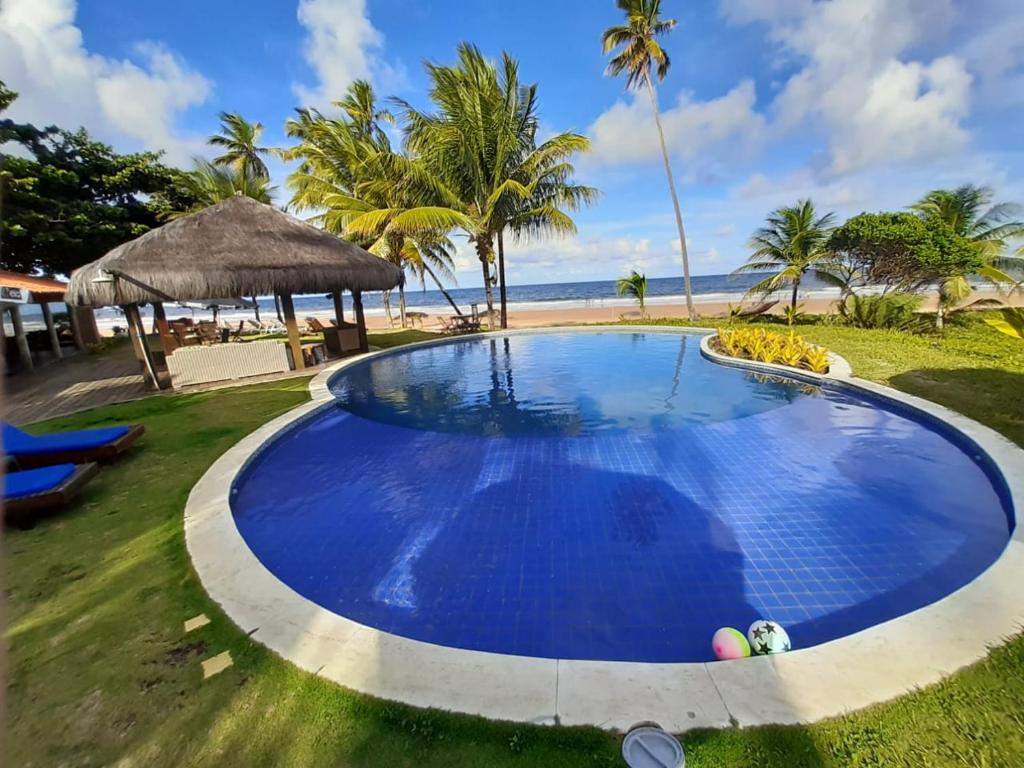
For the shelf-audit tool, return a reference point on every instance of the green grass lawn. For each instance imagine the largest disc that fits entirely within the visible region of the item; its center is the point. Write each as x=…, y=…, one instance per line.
x=101, y=673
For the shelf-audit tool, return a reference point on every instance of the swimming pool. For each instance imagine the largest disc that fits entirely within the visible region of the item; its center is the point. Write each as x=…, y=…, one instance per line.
x=613, y=496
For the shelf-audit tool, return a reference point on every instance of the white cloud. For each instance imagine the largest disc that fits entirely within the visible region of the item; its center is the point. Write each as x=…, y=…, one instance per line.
x=995, y=53
x=341, y=45
x=43, y=57
x=875, y=104
x=626, y=133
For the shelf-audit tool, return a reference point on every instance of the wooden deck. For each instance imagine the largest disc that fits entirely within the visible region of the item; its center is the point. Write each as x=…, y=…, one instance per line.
x=88, y=381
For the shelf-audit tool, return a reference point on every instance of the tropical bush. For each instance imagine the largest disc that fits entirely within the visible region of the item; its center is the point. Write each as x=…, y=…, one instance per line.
x=635, y=285
x=905, y=252
x=768, y=347
x=896, y=311
x=1010, y=321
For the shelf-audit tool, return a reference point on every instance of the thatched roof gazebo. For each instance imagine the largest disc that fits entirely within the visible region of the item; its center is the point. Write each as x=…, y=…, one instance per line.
x=238, y=247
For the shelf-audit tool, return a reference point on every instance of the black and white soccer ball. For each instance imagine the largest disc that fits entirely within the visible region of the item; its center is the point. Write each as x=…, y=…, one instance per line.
x=768, y=637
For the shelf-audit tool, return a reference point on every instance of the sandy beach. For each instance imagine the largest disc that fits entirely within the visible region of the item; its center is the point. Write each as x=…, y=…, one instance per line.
x=538, y=315
x=535, y=318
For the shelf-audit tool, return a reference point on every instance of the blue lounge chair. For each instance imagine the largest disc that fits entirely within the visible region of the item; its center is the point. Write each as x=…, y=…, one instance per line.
x=33, y=490
x=74, y=447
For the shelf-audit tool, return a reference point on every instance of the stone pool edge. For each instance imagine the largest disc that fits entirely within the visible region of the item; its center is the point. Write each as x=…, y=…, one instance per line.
x=806, y=685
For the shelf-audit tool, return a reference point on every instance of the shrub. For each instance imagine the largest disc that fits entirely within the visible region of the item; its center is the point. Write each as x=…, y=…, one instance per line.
x=897, y=311
x=768, y=347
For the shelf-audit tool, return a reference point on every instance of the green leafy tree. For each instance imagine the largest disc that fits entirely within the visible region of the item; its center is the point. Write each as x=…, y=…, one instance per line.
x=635, y=285
x=67, y=200
x=239, y=140
x=7, y=96
x=791, y=246
x=969, y=211
x=638, y=55
x=903, y=251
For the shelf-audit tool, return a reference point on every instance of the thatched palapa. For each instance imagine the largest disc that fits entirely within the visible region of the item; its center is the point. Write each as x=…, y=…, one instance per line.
x=238, y=247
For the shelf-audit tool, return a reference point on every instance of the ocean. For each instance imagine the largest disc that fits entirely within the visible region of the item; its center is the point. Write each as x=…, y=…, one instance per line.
x=570, y=295
x=595, y=293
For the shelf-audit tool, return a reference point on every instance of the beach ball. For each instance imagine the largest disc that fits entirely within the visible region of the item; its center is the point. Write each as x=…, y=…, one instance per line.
x=729, y=643
x=767, y=637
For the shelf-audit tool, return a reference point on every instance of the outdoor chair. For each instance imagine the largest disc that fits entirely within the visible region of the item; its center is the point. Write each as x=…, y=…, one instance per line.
x=184, y=334
x=75, y=446
x=757, y=309
x=34, y=490
x=208, y=332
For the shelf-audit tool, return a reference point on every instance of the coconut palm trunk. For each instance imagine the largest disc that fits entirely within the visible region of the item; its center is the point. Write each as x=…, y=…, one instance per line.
x=441, y=288
x=675, y=201
x=503, y=295
x=484, y=248
x=401, y=303
x=386, y=298
x=277, y=308
x=796, y=291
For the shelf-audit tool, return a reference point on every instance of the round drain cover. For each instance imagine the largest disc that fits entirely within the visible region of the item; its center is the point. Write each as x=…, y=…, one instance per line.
x=652, y=748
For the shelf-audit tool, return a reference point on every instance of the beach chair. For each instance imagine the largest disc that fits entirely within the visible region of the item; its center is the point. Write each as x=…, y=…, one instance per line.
x=208, y=332
x=757, y=309
x=35, y=490
x=77, y=446
x=315, y=326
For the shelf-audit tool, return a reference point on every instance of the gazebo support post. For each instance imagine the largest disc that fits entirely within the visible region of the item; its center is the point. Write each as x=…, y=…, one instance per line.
x=294, y=339
x=137, y=333
x=20, y=339
x=339, y=307
x=76, y=328
x=357, y=303
x=160, y=320
x=51, y=329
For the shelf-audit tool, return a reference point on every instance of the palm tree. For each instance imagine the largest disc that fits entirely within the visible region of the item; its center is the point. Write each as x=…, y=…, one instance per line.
x=969, y=211
x=208, y=184
x=360, y=104
x=640, y=53
x=355, y=183
x=792, y=245
x=240, y=140
x=634, y=285
x=481, y=158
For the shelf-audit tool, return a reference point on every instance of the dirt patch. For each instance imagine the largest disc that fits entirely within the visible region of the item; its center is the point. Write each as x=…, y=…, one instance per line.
x=182, y=654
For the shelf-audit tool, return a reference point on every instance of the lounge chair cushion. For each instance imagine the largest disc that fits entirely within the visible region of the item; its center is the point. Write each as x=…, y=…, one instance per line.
x=21, y=443
x=29, y=482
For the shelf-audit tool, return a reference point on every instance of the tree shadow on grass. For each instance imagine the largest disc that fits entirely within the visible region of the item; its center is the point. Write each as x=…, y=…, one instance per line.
x=993, y=396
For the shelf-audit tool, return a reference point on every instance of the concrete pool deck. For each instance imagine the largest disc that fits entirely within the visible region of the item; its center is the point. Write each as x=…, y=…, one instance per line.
x=802, y=686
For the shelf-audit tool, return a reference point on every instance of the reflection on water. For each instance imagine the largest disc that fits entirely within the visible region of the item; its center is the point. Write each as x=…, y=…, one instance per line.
x=634, y=513
x=556, y=384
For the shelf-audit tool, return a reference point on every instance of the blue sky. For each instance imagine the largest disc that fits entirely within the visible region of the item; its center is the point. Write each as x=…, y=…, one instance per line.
x=858, y=104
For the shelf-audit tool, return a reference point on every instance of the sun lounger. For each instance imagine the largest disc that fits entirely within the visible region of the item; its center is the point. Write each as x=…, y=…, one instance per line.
x=35, y=490
x=757, y=309
x=78, y=446
x=315, y=326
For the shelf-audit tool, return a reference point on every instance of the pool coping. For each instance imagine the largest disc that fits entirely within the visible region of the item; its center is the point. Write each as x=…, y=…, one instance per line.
x=805, y=685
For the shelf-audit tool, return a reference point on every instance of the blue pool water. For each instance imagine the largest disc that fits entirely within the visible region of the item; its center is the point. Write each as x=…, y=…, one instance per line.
x=613, y=496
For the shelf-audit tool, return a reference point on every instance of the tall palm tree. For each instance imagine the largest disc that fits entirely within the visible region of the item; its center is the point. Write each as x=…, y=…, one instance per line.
x=480, y=153
x=634, y=285
x=360, y=105
x=969, y=211
x=790, y=246
x=208, y=184
x=240, y=141
x=639, y=54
